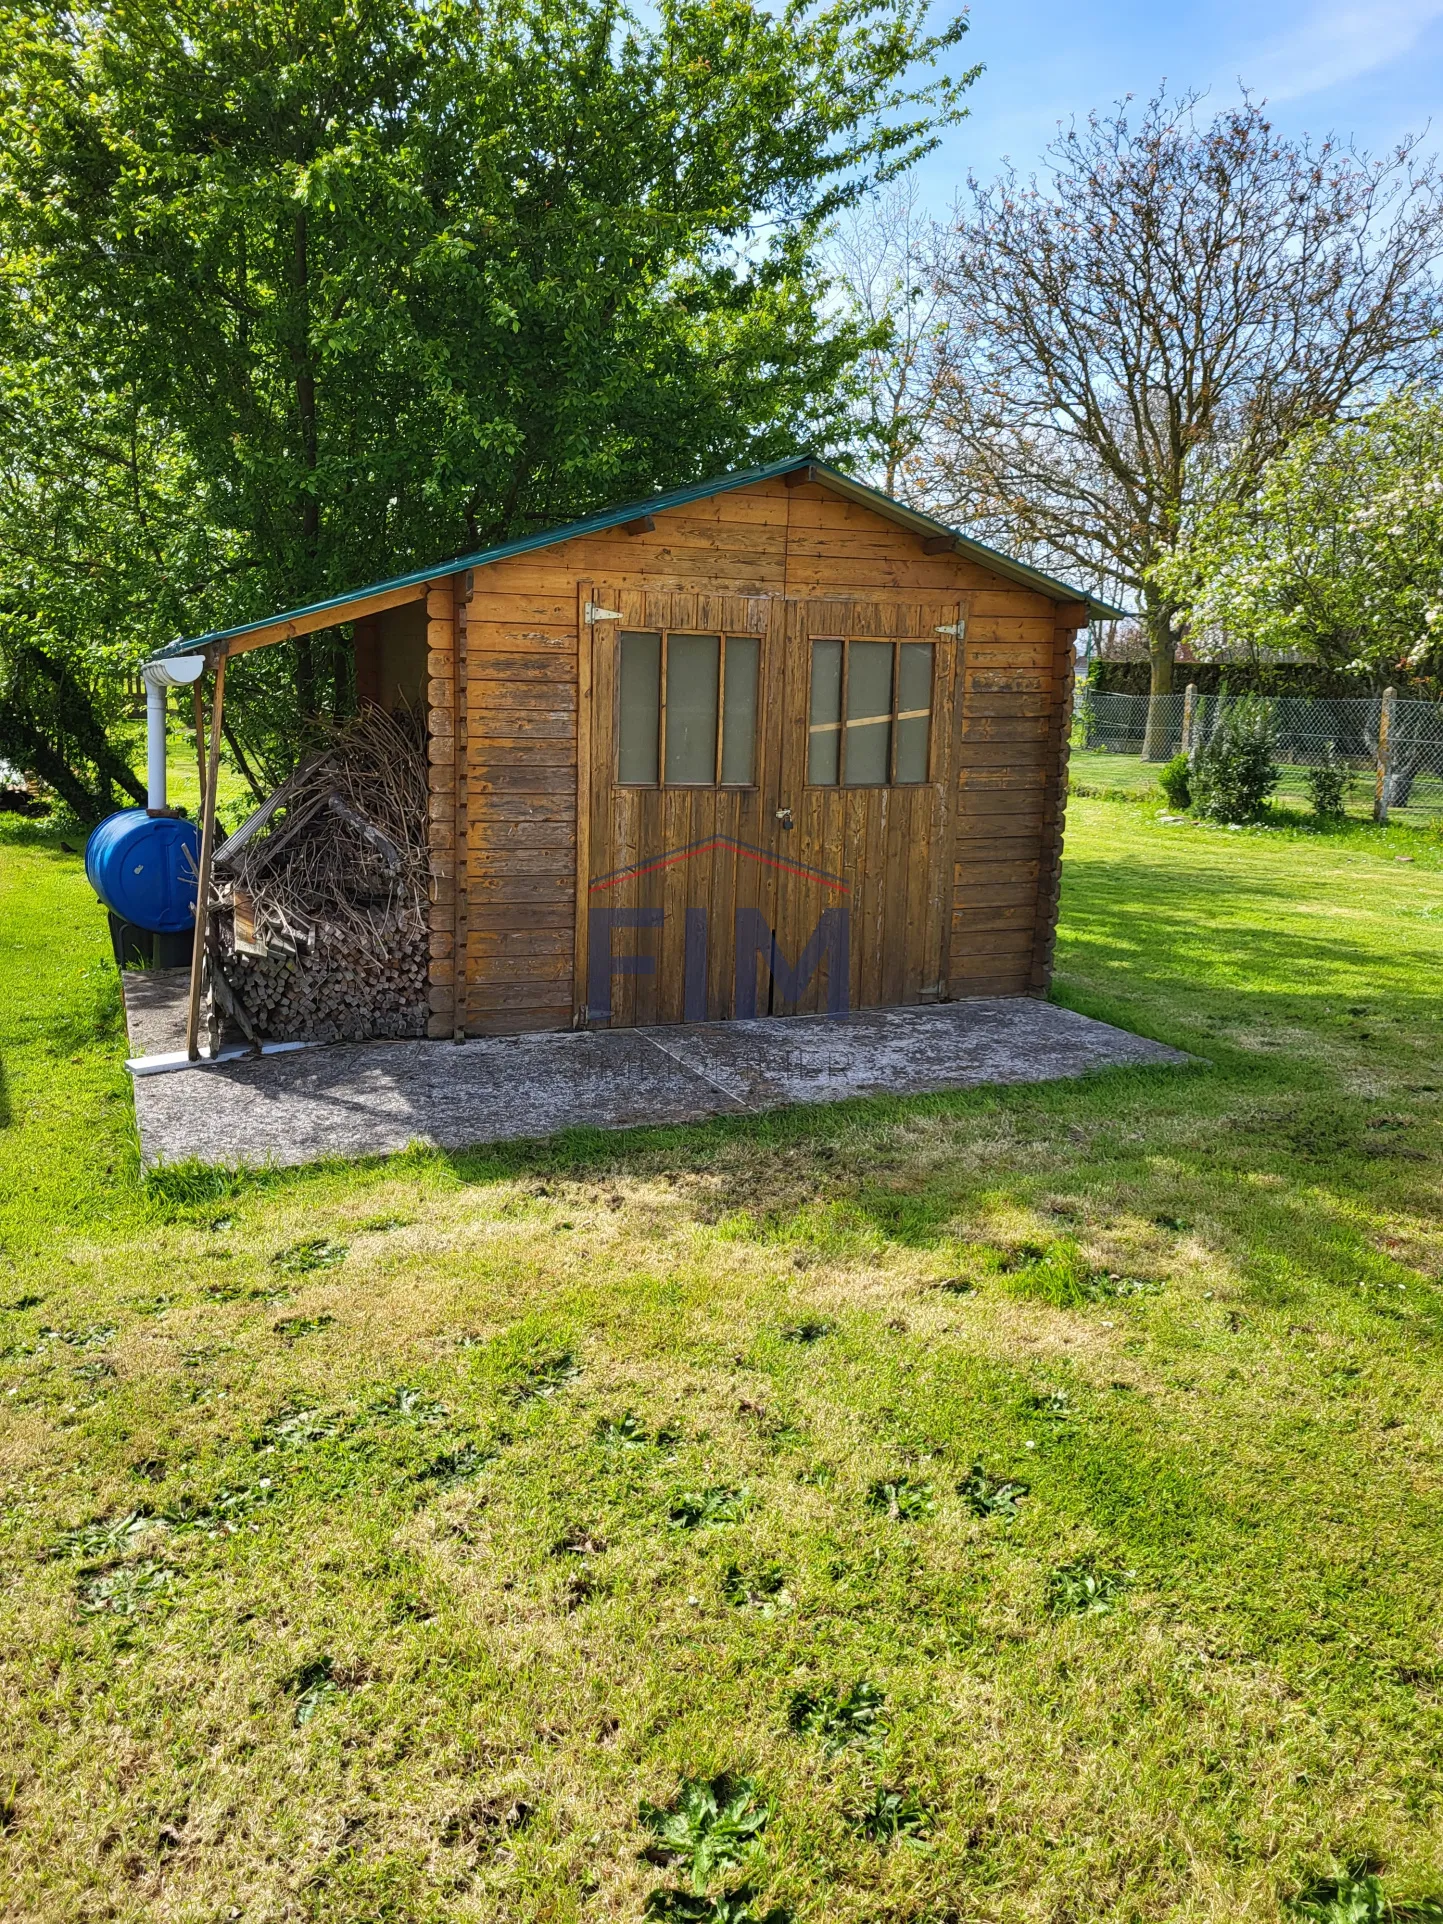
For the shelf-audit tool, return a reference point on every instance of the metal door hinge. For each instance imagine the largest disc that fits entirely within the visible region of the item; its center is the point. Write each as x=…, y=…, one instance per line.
x=957, y=628
x=595, y=612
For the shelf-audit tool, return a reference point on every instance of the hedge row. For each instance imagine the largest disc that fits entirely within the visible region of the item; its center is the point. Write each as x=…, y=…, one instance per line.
x=1248, y=678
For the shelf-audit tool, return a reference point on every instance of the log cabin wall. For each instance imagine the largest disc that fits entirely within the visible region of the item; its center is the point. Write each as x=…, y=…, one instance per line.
x=524, y=656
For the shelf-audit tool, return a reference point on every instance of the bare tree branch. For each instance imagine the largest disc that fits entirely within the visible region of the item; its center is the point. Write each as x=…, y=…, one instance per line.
x=1156, y=319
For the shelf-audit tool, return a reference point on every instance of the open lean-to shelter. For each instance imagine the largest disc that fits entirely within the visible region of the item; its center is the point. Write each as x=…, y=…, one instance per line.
x=773, y=743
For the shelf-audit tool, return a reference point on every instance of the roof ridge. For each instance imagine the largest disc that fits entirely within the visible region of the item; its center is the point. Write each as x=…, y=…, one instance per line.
x=602, y=519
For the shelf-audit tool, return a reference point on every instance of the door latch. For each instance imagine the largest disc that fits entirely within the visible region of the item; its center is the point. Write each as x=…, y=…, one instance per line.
x=784, y=816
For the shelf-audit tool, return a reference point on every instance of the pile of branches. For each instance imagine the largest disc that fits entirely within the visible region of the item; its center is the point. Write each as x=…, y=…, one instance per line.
x=321, y=925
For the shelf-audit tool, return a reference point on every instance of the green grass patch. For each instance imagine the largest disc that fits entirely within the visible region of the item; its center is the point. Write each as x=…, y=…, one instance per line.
x=1013, y=1505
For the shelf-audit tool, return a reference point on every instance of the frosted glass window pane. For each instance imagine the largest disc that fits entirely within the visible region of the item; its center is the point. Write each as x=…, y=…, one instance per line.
x=914, y=710
x=824, y=739
x=640, y=708
x=869, y=713
x=739, y=701
x=693, y=663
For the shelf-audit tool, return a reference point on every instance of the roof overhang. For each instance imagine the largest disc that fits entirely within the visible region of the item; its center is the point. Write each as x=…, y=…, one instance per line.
x=381, y=595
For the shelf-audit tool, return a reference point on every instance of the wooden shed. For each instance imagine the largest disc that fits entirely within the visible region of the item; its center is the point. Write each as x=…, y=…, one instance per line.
x=773, y=743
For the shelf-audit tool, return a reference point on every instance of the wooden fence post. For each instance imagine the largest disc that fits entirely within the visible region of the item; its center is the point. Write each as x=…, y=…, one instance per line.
x=1383, y=789
x=1189, y=716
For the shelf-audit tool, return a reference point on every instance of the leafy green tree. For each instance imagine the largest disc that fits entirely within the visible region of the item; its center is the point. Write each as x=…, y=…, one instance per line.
x=99, y=538
x=392, y=279
x=1339, y=554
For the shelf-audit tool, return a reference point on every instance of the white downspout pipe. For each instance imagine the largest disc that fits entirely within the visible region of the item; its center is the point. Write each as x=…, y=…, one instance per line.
x=179, y=672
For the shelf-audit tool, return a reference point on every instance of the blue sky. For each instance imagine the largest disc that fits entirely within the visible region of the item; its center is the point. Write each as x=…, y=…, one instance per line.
x=1369, y=70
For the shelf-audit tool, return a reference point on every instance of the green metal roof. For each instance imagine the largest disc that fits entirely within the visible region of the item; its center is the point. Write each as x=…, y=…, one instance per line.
x=843, y=484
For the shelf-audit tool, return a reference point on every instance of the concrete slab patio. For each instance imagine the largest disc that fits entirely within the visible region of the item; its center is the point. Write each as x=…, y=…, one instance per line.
x=370, y=1098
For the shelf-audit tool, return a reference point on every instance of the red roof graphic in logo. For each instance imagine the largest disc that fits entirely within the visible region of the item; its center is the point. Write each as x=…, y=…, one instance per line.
x=763, y=857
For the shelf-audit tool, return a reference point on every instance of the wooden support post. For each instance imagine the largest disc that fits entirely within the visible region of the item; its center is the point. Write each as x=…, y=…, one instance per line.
x=198, y=710
x=1383, y=788
x=1189, y=716
x=207, y=850
x=580, y=940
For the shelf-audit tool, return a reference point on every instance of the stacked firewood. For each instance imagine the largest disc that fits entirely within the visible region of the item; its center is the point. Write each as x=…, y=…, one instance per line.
x=321, y=927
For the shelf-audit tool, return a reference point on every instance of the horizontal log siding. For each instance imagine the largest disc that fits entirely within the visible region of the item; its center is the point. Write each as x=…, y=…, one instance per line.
x=767, y=540
x=521, y=840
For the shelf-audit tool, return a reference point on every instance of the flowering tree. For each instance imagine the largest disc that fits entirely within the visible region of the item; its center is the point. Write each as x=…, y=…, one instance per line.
x=1339, y=553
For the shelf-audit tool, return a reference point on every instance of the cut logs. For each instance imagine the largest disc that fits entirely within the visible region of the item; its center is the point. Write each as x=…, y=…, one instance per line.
x=320, y=926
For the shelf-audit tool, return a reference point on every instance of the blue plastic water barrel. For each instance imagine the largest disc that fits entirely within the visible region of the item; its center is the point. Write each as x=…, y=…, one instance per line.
x=144, y=867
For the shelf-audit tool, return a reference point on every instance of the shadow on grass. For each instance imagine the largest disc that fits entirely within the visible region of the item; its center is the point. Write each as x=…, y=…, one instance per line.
x=1211, y=959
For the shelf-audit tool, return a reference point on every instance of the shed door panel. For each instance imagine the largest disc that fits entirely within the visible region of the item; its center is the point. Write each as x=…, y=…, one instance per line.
x=670, y=864
x=889, y=841
x=700, y=904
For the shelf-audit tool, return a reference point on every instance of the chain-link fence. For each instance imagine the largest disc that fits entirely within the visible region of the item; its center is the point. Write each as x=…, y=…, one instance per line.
x=1110, y=730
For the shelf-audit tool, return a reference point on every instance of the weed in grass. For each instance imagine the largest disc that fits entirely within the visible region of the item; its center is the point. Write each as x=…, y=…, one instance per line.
x=486, y=1823
x=24, y=1302
x=407, y=1404
x=91, y=1336
x=106, y=1536
x=151, y=1305
x=127, y=1590
x=902, y=1498
x=763, y=1589
x=316, y=1252
x=624, y=1432
x=1356, y=1896
x=456, y=1466
x=579, y=1542
x=291, y=1329
x=293, y=1429
x=776, y=1428
x=810, y=1330
x=313, y=1686
x=736, y=1906
x=990, y=1496
x=1054, y=1406
x=227, y=1512
x=544, y=1378
x=709, y=1826
x=1061, y=1275
x=380, y=1225
x=1009, y=1262
x=853, y=1720
x=704, y=1509
x=957, y=1286
x=894, y=1816
x=1084, y=1589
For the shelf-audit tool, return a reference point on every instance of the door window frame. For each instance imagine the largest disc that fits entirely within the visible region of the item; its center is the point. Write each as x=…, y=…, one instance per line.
x=716, y=785
x=896, y=643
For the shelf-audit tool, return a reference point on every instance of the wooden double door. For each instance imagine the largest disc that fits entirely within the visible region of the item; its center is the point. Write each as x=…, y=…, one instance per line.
x=822, y=881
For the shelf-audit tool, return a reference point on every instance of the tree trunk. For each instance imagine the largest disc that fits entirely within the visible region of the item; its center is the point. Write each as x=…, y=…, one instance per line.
x=1161, y=651
x=307, y=694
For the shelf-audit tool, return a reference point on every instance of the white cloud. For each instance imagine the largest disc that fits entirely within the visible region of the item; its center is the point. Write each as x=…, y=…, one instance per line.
x=1338, y=42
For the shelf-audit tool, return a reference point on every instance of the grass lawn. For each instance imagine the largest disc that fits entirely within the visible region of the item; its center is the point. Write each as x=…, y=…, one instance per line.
x=1096, y=772
x=1026, y=1502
